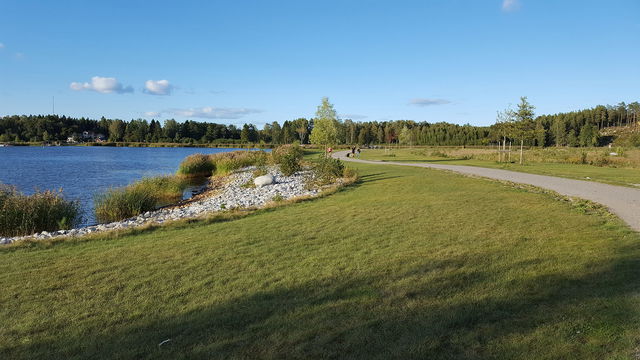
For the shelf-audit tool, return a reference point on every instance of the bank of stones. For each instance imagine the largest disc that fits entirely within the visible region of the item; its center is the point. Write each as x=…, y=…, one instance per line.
x=236, y=192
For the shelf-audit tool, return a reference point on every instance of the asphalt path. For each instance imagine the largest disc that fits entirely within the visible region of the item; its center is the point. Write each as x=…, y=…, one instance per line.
x=622, y=201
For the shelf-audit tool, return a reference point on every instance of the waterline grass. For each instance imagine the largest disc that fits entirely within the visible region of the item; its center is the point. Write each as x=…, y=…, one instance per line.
x=199, y=165
x=196, y=165
x=22, y=214
x=225, y=163
x=141, y=196
x=148, y=194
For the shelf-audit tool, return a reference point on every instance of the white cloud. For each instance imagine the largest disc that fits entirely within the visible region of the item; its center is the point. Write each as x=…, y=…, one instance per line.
x=1, y=46
x=152, y=114
x=159, y=87
x=428, y=102
x=510, y=5
x=103, y=85
x=209, y=112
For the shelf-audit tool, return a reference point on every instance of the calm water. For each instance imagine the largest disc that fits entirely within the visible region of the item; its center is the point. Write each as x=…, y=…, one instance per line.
x=84, y=171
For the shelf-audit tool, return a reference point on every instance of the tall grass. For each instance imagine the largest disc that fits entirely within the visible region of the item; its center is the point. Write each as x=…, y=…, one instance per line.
x=142, y=196
x=22, y=214
x=221, y=164
x=227, y=162
x=196, y=165
x=599, y=156
x=165, y=189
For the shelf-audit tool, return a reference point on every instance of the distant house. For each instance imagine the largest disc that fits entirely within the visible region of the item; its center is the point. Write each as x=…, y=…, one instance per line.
x=91, y=136
x=72, y=139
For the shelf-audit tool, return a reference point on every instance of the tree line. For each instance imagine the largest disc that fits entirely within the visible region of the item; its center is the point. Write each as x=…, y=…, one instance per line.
x=576, y=128
x=54, y=128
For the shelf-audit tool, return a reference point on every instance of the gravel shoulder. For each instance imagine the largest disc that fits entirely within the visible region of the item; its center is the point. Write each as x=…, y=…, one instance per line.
x=622, y=201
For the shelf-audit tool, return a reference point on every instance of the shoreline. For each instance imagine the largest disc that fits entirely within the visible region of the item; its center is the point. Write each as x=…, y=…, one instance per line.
x=232, y=194
x=241, y=146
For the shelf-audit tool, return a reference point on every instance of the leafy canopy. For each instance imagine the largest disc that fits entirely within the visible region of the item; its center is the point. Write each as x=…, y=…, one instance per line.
x=325, y=126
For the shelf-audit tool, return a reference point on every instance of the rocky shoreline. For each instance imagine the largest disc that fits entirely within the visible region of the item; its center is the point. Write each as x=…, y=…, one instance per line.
x=236, y=192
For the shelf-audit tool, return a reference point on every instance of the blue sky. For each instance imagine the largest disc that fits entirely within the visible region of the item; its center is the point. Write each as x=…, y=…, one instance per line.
x=262, y=61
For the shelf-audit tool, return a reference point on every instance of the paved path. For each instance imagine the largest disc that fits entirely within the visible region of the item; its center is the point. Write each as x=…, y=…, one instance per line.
x=622, y=201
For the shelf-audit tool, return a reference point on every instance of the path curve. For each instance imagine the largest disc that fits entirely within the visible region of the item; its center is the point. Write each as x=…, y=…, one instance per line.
x=622, y=201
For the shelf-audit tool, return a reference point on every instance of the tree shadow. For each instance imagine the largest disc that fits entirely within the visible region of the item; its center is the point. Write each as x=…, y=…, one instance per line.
x=375, y=177
x=444, y=314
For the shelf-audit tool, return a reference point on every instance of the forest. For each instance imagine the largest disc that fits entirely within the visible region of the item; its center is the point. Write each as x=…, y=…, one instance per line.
x=577, y=128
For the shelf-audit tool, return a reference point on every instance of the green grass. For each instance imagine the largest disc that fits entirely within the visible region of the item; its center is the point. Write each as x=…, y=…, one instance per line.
x=611, y=175
x=410, y=263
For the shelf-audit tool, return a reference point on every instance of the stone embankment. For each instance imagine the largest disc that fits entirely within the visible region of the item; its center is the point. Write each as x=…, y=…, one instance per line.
x=236, y=192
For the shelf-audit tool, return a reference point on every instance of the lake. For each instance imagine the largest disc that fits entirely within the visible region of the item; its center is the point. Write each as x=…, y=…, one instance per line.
x=83, y=171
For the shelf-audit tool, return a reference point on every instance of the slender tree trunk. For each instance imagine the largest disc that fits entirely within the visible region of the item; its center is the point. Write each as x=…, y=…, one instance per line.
x=504, y=148
x=521, y=150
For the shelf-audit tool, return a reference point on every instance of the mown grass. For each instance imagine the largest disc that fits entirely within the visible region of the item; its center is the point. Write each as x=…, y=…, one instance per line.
x=22, y=214
x=141, y=196
x=536, y=163
x=410, y=263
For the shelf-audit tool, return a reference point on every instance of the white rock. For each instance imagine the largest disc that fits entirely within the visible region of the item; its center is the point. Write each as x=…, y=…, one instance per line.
x=263, y=180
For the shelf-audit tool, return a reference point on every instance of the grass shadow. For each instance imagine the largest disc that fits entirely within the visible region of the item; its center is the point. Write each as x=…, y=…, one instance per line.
x=374, y=316
x=375, y=177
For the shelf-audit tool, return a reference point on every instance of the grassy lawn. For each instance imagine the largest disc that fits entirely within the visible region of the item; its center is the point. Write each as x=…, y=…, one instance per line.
x=611, y=175
x=410, y=263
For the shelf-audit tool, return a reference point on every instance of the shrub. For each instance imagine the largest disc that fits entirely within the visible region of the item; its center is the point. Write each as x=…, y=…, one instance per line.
x=326, y=170
x=288, y=158
x=43, y=211
x=349, y=173
x=601, y=160
x=439, y=154
x=196, y=165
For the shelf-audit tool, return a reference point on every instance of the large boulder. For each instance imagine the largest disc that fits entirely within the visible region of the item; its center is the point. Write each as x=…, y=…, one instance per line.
x=263, y=180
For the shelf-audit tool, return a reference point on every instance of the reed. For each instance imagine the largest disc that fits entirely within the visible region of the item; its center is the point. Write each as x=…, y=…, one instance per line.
x=228, y=162
x=22, y=214
x=196, y=165
x=141, y=196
